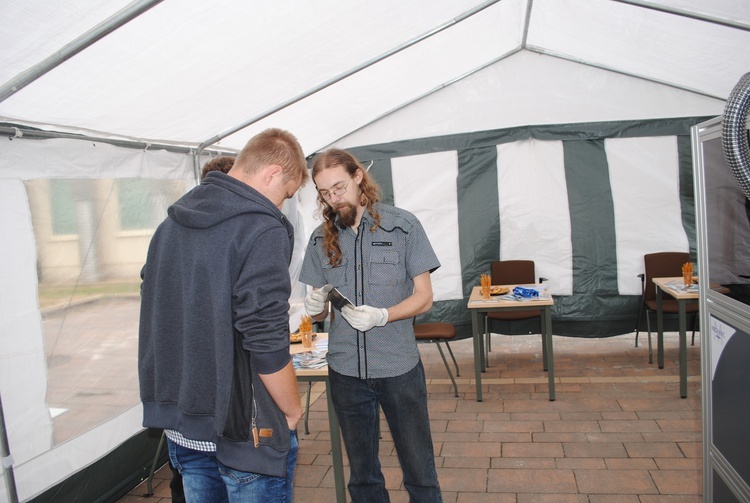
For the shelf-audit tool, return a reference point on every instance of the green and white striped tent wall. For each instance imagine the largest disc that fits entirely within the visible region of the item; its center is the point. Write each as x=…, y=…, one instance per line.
x=584, y=201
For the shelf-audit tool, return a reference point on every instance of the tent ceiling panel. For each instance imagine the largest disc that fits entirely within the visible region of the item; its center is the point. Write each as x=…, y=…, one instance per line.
x=736, y=12
x=397, y=80
x=34, y=29
x=227, y=68
x=528, y=88
x=188, y=71
x=687, y=53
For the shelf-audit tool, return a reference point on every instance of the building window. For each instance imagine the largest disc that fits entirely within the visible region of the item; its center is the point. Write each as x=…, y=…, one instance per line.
x=62, y=207
x=142, y=202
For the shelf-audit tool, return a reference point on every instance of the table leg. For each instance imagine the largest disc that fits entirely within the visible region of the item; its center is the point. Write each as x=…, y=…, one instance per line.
x=683, y=347
x=545, y=357
x=660, y=326
x=476, y=330
x=336, y=454
x=485, y=342
x=482, y=348
x=550, y=357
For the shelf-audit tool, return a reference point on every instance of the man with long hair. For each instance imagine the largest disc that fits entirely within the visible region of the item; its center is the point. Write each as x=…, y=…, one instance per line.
x=213, y=354
x=379, y=257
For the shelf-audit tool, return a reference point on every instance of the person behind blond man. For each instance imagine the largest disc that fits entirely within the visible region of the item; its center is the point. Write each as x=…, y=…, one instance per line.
x=213, y=356
x=222, y=163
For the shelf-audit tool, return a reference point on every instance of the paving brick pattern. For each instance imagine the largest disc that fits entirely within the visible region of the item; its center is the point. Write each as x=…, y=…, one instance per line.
x=618, y=432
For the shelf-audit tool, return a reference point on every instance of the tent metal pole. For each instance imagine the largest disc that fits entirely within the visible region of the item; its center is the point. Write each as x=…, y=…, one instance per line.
x=546, y=52
x=347, y=73
x=7, y=460
x=197, y=165
x=98, y=32
x=527, y=23
x=23, y=132
x=684, y=13
x=18, y=132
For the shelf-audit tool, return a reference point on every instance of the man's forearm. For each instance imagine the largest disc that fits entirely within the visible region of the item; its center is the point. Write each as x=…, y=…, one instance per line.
x=282, y=386
x=410, y=307
x=320, y=316
x=417, y=303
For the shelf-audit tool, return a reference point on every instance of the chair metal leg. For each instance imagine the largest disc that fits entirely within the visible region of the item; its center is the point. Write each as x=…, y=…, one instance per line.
x=650, y=351
x=489, y=336
x=641, y=307
x=638, y=323
x=307, y=408
x=450, y=374
x=487, y=348
x=453, y=357
x=149, y=480
x=695, y=320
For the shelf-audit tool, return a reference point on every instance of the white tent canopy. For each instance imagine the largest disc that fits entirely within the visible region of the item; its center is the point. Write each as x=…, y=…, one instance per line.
x=185, y=72
x=116, y=91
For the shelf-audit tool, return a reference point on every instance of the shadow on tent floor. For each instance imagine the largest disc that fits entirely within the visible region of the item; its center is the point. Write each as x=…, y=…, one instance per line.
x=618, y=431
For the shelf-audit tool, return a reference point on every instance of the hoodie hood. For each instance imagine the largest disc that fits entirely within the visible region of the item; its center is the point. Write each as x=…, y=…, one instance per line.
x=217, y=199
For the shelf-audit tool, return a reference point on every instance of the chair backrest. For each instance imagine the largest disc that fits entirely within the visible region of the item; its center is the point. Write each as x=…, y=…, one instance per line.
x=513, y=272
x=662, y=265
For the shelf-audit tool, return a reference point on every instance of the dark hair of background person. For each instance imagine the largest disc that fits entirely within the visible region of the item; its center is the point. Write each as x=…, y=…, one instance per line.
x=222, y=163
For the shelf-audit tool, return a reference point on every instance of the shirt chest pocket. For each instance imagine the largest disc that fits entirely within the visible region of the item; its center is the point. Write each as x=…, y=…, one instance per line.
x=386, y=268
x=336, y=276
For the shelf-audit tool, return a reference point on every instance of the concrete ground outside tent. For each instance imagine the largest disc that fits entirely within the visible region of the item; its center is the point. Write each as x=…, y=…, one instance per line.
x=617, y=433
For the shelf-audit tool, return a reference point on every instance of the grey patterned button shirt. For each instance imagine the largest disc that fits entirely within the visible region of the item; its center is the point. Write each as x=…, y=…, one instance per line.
x=377, y=269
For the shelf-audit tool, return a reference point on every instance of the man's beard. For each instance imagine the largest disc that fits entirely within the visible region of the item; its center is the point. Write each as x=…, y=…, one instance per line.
x=347, y=214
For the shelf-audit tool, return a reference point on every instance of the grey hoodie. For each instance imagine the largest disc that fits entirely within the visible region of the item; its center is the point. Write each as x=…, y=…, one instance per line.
x=214, y=315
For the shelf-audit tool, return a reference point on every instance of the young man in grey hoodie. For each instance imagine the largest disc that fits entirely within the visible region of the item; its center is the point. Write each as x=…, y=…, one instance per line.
x=214, y=365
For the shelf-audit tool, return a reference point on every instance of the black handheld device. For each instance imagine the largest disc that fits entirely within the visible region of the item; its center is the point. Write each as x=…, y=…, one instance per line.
x=338, y=299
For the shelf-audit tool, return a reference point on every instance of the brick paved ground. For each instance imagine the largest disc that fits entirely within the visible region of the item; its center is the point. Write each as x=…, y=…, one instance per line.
x=618, y=431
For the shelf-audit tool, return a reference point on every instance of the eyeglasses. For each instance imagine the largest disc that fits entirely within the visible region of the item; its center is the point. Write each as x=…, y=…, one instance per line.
x=337, y=190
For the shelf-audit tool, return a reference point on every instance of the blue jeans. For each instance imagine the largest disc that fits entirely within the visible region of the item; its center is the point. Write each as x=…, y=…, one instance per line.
x=404, y=403
x=205, y=479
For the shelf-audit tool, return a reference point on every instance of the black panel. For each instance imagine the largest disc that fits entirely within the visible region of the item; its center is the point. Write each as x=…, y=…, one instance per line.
x=730, y=391
x=722, y=493
x=110, y=478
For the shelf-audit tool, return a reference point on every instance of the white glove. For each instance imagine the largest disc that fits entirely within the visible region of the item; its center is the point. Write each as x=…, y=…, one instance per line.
x=363, y=318
x=315, y=302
